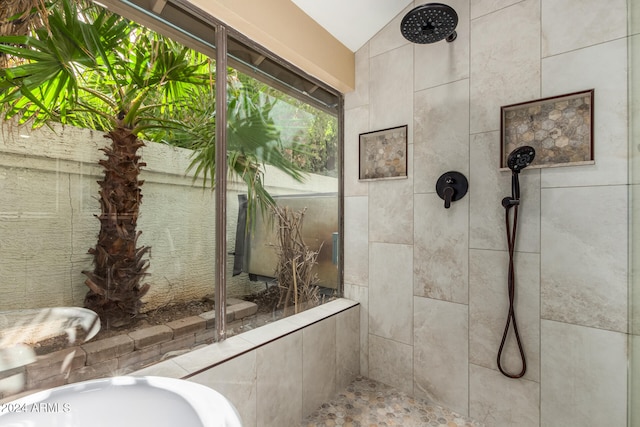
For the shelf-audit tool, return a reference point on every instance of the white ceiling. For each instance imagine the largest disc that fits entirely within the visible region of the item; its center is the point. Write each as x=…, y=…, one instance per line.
x=353, y=22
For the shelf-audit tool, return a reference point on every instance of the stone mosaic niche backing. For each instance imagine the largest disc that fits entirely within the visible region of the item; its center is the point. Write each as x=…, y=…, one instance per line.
x=559, y=128
x=383, y=154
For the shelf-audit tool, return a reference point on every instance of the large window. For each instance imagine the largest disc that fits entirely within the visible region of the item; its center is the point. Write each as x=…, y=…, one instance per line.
x=239, y=220
x=284, y=258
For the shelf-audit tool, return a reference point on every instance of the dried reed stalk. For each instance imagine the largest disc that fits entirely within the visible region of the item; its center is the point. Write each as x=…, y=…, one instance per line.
x=294, y=272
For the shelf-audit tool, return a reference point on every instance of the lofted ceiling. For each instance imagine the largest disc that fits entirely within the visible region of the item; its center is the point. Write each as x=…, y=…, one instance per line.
x=352, y=22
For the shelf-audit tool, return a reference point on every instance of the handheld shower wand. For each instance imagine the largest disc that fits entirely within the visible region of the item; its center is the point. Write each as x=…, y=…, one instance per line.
x=517, y=160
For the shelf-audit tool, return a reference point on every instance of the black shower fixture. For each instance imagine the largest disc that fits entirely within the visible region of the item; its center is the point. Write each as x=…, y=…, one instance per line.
x=430, y=23
x=517, y=160
x=520, y=158
x=451, y=186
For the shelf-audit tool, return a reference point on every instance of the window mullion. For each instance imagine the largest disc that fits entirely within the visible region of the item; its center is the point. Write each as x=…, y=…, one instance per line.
x=221, y=182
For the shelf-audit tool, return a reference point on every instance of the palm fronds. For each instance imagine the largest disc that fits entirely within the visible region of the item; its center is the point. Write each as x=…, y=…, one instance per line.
x=89, y=67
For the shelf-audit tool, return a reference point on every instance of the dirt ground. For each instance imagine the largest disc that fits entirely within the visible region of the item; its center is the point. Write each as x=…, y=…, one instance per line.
x=266, y=300
x=161, y=316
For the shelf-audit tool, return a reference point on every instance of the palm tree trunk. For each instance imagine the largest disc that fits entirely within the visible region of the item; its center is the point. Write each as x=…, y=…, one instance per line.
x=17, y=17
x=114, y=285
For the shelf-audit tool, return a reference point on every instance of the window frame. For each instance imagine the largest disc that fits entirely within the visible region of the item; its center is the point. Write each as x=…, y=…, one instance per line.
x=191, y=26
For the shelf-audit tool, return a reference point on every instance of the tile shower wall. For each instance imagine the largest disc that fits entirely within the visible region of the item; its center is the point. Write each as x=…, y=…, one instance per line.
x=432, y=282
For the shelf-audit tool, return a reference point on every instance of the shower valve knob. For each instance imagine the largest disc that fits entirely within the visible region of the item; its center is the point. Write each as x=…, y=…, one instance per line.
x=451, y=186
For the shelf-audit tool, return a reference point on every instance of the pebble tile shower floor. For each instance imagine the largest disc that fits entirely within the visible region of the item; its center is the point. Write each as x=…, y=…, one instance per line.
x=367, y=403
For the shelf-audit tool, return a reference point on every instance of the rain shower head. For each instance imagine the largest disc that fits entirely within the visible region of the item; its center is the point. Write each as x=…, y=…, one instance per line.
x=430, y=23
x=520, y=158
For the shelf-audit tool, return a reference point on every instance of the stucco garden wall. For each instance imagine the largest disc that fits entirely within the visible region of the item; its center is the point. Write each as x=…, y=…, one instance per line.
x=48, y=203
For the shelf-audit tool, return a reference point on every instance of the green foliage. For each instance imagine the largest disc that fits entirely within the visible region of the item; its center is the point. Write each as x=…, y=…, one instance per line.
x=253, y=140
x=90, y=68
x=310, y=136
x=322, y=143
x=46, y=83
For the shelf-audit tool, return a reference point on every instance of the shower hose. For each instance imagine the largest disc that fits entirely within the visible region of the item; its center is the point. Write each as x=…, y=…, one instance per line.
x=511, y=318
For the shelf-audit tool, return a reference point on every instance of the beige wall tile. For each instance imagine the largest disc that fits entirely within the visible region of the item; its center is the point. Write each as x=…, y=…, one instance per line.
x=361, y=294
x=279, y=389
x=441, y=247
x=441, y=133
x=573, y=24
x=391, y=292
x=603, y=68
x=391, y=210
x=347, y=347
x=489, y=305
x=484, y=7
x=389, y=37
x=356, y=122
x=235, y=380
x=442, y=62
x=360, y=96
x=440, y=355
x=584, y=376
x=356, y=240
x=391, y=363
x=318, y=364
x=487, y=187
x=505, y=62
x=583, y=259
x=391, y=88
x=498, y=401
